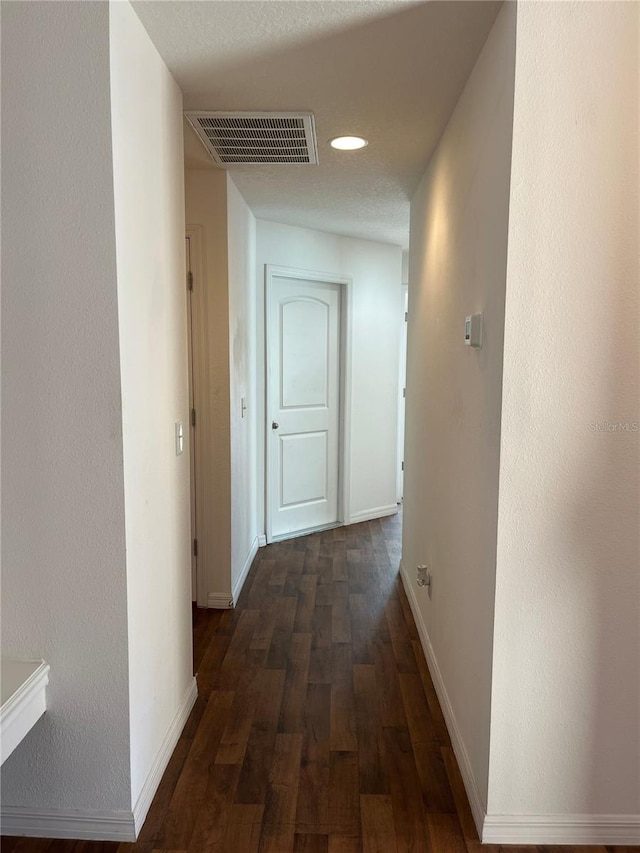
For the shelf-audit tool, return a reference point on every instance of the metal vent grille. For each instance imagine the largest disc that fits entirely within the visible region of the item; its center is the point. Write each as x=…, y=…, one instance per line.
x=246, y=138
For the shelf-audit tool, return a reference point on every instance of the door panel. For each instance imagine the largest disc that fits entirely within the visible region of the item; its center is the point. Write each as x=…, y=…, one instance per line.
x=304, y=361
x=303, y=334
x=303, y=467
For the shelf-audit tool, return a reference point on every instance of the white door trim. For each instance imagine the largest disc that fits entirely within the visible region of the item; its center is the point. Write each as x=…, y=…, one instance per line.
x=200, y=397
x=191, y=443
x=344, y=462
x=402, y=385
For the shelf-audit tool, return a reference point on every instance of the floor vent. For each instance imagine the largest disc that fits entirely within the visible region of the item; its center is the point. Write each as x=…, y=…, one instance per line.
x=256, y=138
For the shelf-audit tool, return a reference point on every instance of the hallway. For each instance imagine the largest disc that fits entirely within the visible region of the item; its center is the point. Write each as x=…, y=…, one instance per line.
x=317, y=727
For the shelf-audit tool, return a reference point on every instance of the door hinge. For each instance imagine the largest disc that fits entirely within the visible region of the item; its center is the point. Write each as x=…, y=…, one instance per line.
x=404, y=392
x=406, y=316
x=195, y=547
x=189, y=280
x=193, y=417
x=402, y=465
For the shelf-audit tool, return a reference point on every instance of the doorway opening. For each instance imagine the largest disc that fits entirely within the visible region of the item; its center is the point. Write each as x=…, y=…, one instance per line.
x=196, y=344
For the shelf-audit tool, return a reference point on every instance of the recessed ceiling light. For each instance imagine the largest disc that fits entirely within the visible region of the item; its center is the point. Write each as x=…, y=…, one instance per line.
x=348, y=143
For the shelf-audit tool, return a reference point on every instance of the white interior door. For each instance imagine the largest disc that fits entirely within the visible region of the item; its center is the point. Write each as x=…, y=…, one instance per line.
x=303, y=405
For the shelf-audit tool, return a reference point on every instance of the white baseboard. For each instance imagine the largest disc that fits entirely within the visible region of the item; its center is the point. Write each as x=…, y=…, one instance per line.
x=262, y=541
x=562, y=829
x=518, y=829
x=165, y=752
x=457, y=743
x=220, y=600
x=70, y=823
x=100, y=825
x=237, y=588
x=375, y=512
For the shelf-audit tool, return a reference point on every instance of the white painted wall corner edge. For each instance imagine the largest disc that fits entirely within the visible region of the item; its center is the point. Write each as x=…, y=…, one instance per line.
x=246, y=568
x=113, y=825
x=225, y=600
x=518, y=829
x=477, y=809
x=165, y=752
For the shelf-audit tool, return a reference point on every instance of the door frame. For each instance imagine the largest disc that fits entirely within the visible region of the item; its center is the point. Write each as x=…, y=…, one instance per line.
x=192, y=442
x=402, y=385
x=197, y=328
x=344, y=419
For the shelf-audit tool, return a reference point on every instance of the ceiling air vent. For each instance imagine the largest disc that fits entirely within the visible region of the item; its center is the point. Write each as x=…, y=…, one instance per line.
x=256, y=138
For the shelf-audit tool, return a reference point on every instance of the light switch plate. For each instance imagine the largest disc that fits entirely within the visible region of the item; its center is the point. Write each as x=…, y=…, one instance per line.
x=473, y=331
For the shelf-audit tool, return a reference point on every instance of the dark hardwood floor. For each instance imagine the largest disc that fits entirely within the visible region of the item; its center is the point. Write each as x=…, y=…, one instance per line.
x=317, y=728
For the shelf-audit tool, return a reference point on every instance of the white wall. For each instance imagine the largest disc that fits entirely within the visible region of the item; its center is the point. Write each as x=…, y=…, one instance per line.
x=376, y=270
x=545, y=702
x=146, y=107
x=242, y=365
x=95, y=515
x=457, y=266
x=63, y=537
x=566, y=688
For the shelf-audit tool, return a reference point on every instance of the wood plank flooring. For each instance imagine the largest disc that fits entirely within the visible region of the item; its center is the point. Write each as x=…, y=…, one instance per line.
x=317, y=728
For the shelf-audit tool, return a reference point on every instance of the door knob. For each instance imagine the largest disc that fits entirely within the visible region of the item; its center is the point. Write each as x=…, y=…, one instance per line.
x=274, y=425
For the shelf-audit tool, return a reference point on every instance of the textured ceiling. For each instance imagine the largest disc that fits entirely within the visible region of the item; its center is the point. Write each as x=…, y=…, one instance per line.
x=389, y=71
